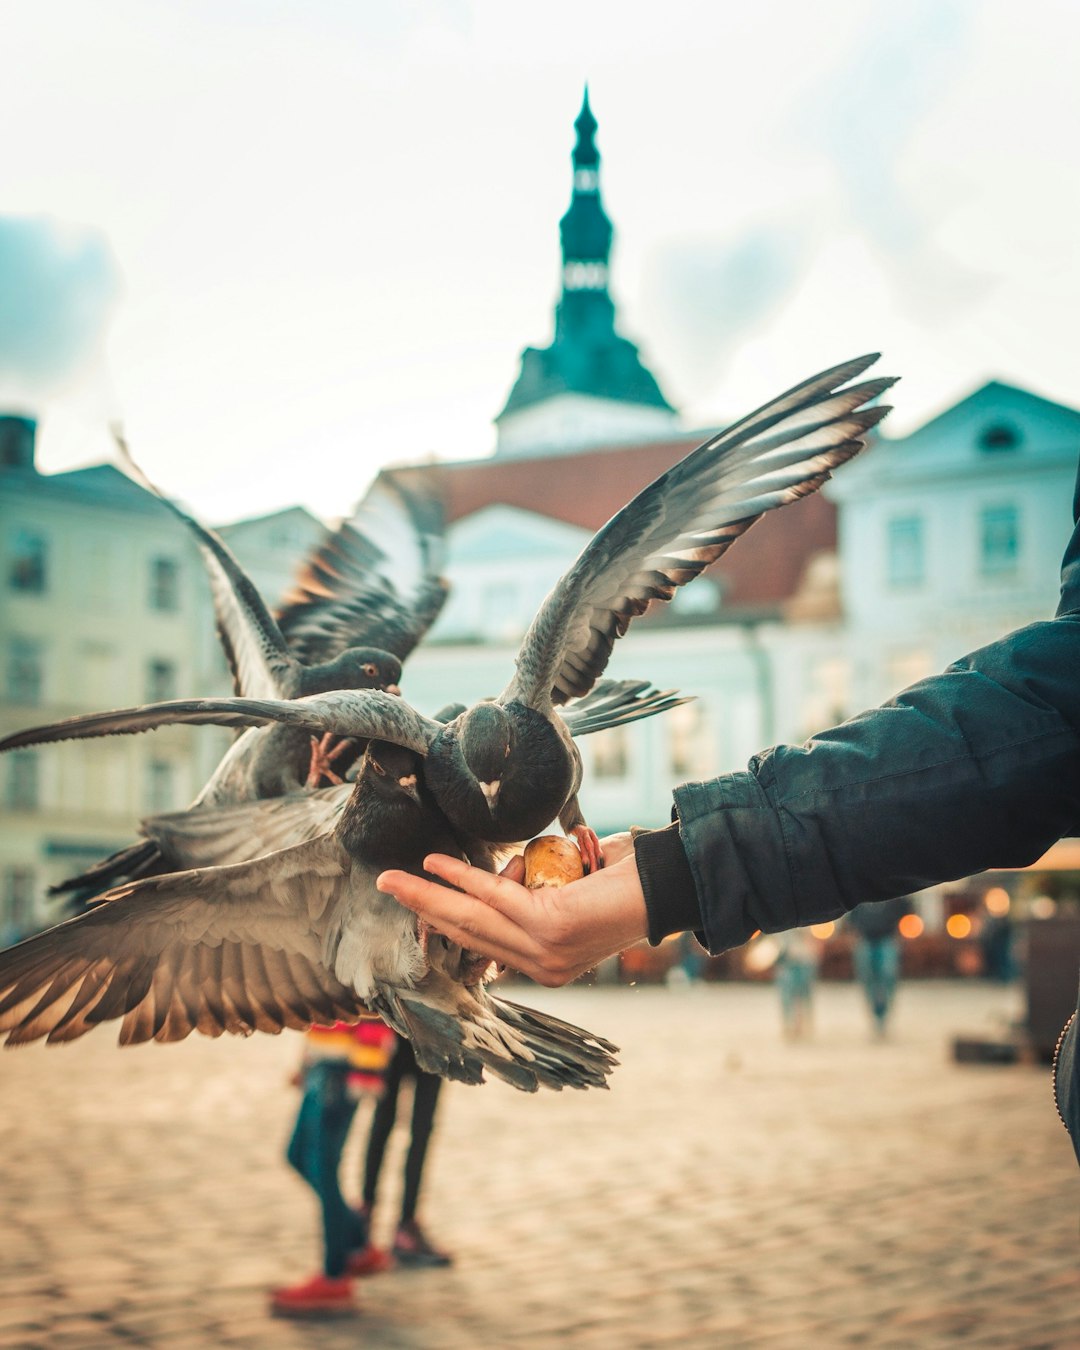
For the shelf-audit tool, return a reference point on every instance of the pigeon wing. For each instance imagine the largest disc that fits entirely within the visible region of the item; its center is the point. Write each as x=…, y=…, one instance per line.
x=373, y=581
x=218, y=836
x=370, y=714
x=235, y=949
x=685, y=520
x=260, y=660
x=614, y=703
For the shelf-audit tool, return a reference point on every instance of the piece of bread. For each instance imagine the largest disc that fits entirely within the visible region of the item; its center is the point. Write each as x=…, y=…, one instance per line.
x=551, y=860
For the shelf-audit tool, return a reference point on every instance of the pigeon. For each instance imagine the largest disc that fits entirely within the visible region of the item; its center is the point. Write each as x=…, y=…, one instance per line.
x=503, y=769
x=298, y=935
x=345, y=598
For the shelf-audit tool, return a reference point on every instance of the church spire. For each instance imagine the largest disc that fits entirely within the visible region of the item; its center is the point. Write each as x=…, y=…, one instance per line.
x=585, y=229
x=590, y=385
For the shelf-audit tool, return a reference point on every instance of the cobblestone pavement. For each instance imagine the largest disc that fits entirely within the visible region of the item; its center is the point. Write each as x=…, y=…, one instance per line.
x=730, y=1190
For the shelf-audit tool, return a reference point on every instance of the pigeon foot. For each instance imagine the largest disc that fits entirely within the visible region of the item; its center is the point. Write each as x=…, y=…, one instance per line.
x=589, y=843
x=323, y=754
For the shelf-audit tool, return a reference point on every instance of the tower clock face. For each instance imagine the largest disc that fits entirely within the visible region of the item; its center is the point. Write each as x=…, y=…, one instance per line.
x=586, y=180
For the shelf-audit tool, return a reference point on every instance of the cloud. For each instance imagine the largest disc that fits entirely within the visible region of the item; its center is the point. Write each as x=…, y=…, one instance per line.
x=866, y=115
x=703, y=296
x=58, y=285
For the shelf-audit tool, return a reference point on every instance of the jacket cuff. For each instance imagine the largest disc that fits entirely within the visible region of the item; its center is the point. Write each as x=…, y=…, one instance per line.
x=671, y=901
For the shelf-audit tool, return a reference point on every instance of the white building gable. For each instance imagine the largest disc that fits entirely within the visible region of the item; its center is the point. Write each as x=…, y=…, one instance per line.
x=954, y=534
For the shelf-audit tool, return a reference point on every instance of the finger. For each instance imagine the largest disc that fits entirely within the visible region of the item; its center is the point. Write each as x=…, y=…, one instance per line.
x=469, y=922
x=502, y=893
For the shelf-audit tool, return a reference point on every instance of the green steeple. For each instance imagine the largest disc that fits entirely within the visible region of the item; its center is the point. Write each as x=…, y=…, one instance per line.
x=587, y=356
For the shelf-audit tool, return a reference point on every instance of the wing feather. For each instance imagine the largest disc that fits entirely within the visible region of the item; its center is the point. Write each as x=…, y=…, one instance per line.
x=259, y=657
x=200, y=949
x=373, y=581
x=370, y=714
x=686, y=519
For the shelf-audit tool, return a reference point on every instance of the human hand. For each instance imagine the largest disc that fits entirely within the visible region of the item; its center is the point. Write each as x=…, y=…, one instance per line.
x=551, y=935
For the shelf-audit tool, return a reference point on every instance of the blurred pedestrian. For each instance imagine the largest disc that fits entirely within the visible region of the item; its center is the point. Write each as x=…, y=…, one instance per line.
x=795, y=974
x=877, y=954
x=342, y=1064
x=412, y=1246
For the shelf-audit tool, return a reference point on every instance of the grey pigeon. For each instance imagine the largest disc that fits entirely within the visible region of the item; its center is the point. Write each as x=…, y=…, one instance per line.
x=298, y=935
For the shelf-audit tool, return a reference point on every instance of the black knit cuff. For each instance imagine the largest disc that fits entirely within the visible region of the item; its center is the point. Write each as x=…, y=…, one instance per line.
x=671, y=901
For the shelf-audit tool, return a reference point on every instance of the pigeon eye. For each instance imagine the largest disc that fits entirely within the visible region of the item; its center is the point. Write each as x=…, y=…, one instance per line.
x=369, y=668
x=378, y=767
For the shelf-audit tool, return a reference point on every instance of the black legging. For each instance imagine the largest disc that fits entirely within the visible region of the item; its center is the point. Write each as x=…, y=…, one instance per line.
x=425, y=1096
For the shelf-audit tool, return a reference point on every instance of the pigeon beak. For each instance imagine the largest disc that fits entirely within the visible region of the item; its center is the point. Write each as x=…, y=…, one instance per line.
x=408, y=786
x=491, y=793
x=394, y=689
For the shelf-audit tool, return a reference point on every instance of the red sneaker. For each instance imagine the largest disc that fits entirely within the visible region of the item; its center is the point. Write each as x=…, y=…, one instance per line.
x=321, y=1296
x=369, y=1260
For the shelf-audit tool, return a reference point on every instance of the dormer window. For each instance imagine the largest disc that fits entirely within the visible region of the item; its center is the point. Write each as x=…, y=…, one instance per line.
x=999, y=436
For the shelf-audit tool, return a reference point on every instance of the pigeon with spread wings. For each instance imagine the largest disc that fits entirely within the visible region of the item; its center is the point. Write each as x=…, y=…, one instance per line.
x=298, y=935
x=363, y=600
x=503, y=769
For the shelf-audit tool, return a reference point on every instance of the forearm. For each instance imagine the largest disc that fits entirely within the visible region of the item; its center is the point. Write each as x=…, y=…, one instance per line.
x=975, y=768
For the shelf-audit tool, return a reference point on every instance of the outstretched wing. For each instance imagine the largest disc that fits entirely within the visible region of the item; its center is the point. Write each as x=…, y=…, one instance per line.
x=615, y=703
x=370, y=714
x=373, y=582
x=685, y=520
x=260, y=660
x=234, y=949
x=218, y=836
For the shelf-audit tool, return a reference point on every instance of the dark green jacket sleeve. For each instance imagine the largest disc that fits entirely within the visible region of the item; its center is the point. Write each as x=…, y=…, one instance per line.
x=976, y=768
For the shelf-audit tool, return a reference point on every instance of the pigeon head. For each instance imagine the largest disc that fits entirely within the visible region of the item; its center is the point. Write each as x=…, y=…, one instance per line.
x=486, y=737
x=356, y=668
x=499, y=772
x=391, y=771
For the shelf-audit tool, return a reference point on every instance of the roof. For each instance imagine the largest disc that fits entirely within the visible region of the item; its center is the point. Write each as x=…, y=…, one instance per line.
x=96, y=485
x=758, y=574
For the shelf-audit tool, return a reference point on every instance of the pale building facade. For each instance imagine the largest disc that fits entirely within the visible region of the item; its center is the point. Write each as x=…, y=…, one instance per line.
x=103, y=604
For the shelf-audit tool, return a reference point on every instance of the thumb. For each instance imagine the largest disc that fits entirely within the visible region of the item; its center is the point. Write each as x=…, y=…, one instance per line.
x=514, y=869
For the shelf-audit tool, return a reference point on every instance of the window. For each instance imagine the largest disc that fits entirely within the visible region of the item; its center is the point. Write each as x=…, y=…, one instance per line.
x=25, y=674
x=610, y=753
x=688, y=747
x=159, y=786
x=22, y=780
x=904, y=559
x=502, y=610
x=16, y=903
x=164, y=584
x=999, y=436
x=160, y=680
x=999, y=540
x=28, y=562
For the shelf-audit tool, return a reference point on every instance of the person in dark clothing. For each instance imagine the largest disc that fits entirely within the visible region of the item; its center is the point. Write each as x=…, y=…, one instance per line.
x=975, y=768
x=877, y=953
x=412, y=1247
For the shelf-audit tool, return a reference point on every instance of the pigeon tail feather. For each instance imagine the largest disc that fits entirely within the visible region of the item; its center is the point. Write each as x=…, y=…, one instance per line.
x=526, y=1048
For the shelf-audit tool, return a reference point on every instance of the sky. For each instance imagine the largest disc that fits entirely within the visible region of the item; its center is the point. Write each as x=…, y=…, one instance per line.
x=287, y=244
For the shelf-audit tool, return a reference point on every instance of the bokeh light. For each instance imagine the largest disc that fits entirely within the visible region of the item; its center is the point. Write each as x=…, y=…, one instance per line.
x=958, y=926
x=823, y=930
x=997, y=900
x=911, y=926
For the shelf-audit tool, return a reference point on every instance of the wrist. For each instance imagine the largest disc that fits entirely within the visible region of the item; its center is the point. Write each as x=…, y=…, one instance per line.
x=667, y=883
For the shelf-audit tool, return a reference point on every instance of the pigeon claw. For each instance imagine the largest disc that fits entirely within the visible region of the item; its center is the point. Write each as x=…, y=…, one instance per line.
x=323, y=754
x=588, y=843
